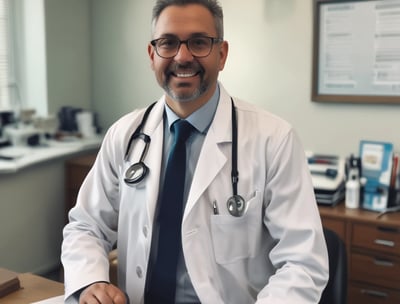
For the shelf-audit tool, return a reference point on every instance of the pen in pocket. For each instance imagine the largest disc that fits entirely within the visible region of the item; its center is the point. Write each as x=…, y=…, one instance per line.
x=215, y=207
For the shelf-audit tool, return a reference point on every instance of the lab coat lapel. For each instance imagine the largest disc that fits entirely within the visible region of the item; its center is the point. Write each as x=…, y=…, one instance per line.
x=155, y=129
x=211, y=159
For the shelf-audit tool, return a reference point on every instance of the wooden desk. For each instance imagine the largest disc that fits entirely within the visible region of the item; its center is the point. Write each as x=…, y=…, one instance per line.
x=33, y=288
x=373, y=251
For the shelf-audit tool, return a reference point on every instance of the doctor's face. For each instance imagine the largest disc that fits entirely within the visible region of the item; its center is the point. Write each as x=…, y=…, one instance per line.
x=185, y=77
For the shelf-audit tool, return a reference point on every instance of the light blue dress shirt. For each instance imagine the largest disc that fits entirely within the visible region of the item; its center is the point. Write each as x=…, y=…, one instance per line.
x=201, y=121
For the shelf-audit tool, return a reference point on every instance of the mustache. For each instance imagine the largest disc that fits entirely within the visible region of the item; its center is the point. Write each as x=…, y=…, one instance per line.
x=190, y=66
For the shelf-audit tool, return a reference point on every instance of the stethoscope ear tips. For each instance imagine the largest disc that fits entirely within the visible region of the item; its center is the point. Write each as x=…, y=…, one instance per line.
x=136, y=173
x=236, y=205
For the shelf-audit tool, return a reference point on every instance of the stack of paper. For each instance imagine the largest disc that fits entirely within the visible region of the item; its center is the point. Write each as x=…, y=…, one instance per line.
x=53, y=300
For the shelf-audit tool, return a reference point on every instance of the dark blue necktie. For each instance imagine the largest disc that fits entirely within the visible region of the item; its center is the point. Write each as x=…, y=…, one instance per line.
x=162, y=279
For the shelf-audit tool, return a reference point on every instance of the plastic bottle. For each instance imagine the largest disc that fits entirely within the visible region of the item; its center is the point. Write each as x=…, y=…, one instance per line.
x=353, y=192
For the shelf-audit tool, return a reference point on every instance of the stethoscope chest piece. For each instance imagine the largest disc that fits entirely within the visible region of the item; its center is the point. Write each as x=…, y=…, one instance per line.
x=236, y=205
x=136, y=173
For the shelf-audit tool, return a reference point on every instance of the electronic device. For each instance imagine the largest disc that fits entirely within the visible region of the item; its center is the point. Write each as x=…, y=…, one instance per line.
x=328, y=178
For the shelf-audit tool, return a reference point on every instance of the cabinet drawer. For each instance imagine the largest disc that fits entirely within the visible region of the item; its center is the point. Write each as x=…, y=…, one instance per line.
x=377, y=270
x=382, y=238
x=364, y=294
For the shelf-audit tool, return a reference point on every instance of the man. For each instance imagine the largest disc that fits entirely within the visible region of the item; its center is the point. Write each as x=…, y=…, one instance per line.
x=268, y=248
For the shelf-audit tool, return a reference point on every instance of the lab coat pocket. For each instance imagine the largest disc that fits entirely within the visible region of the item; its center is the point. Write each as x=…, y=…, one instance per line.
x=236, y=238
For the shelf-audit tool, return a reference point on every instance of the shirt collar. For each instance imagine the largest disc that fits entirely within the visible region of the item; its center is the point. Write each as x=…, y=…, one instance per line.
x=201, y=118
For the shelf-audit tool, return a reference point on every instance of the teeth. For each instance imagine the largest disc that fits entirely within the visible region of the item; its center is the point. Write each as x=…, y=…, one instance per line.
x=185, y=75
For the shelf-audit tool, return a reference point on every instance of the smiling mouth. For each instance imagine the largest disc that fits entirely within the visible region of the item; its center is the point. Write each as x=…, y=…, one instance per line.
x=185, y=74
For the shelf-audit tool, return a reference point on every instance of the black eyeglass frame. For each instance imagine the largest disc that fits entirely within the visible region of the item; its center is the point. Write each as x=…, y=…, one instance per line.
x=213, y=40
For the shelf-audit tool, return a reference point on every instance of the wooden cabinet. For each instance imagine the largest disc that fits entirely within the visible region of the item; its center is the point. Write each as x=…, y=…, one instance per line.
x=76, y=170
x=373, y=250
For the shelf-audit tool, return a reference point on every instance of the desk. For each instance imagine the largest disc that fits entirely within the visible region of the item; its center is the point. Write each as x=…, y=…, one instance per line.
x=30, y=156
x=34, y=288
x=373, y=251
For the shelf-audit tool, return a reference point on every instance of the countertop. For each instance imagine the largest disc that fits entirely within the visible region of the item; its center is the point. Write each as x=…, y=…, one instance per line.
x=15, y=158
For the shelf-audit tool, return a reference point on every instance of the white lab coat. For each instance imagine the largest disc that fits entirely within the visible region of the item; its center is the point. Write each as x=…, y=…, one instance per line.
x=274, y=254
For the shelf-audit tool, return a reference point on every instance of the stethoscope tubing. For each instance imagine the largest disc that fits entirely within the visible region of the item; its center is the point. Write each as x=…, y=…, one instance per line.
x=138, y=171
x=138, y=130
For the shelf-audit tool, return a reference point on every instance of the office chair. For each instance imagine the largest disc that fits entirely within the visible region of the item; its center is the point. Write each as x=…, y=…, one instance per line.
x=335, y=291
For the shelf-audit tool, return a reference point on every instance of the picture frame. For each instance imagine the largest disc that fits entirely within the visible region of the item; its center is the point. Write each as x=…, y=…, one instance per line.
x=356, y=51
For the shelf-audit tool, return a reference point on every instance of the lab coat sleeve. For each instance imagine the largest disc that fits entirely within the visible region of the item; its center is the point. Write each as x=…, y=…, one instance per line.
x=92, y=228
x=292, y=218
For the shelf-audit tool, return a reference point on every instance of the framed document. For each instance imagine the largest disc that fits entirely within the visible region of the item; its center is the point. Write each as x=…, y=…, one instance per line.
x=356, y=51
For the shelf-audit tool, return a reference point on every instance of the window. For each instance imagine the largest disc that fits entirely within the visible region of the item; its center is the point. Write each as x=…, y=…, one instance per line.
x=22, y=56
x=9, y=90
x=4, y=55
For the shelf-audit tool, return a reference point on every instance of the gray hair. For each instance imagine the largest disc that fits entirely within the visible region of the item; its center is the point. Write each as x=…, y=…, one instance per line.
x=212, y=5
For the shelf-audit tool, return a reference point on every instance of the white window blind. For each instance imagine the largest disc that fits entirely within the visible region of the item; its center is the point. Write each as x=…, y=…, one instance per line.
x=4, y=55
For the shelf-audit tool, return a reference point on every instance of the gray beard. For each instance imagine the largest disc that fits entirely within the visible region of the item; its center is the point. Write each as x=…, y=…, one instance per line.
x=185, y=97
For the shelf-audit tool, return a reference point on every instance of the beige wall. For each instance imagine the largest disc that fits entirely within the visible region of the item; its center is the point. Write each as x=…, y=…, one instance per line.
x=269, y=64
x=68, y=54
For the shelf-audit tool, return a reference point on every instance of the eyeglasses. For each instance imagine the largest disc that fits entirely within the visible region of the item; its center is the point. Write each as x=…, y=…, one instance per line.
x=198, y=46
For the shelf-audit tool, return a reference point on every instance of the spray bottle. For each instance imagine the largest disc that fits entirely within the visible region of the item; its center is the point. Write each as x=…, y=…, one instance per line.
x=353, y=184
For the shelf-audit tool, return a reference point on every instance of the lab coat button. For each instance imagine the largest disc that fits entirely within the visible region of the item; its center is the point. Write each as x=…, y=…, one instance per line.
x=139, y=272
x=145, y=231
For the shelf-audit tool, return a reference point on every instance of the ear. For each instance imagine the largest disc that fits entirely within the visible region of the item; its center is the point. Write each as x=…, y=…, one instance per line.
x=223, y=54
x=150, y=51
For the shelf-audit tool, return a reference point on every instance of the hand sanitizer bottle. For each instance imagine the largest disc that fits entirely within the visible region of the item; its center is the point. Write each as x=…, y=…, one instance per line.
x=353, y=192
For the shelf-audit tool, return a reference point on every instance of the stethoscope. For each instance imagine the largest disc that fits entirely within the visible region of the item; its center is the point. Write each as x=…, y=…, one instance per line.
x=138, y=171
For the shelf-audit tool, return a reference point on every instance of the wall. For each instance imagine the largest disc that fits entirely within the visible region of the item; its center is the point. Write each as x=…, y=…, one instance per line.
x=121, y=77
x=269, y=64
x=68, y=47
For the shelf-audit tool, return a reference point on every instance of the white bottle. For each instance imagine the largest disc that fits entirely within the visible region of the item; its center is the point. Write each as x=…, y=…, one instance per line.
x=353, y=193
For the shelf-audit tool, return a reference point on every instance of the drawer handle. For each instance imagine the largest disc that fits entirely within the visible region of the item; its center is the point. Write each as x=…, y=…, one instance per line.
x=388, y=229
x=384, y=243
x=383, y=263
x=374, y=293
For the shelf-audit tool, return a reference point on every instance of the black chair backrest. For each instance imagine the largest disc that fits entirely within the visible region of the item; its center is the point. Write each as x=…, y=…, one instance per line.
x=335, y=291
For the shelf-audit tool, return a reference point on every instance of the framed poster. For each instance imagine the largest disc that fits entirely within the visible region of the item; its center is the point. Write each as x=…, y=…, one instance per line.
x=356, y=51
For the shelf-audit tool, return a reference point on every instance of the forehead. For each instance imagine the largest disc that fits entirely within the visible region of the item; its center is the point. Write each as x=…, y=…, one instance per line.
x=185, y=20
